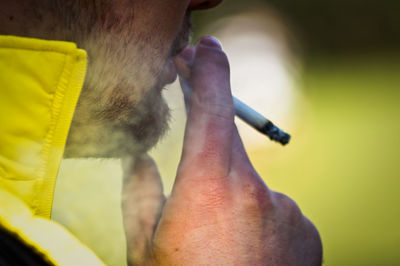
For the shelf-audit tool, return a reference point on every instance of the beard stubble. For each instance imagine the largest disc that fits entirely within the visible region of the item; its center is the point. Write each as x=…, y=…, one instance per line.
x=116, y=115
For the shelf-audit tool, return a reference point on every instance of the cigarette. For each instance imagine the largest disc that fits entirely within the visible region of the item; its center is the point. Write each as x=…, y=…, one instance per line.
x=259, y=122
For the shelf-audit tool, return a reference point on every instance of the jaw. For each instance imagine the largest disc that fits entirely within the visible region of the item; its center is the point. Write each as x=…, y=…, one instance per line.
x=131, y=131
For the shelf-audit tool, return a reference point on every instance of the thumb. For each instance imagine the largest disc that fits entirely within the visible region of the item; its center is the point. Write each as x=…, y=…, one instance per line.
x=183, y=64
x=142, y=202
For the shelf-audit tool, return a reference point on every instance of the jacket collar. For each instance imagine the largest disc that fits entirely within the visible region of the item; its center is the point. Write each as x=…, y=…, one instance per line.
x=40, y=82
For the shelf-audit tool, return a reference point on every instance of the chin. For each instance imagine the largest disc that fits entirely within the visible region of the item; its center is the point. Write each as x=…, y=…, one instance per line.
x=120, y=130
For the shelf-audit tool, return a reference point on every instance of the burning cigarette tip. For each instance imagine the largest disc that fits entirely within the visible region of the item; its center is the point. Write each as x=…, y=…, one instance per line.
x=275, y=133
x=259, y=122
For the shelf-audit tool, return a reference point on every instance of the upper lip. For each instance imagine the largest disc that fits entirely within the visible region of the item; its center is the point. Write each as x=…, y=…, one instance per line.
x=183, y=38
x=180, y=48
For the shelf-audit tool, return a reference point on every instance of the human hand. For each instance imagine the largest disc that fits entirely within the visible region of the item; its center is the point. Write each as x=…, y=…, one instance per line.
x=220, y=212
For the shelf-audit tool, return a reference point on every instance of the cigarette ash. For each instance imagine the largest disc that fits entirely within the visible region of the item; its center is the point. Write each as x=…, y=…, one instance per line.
x=275, y=134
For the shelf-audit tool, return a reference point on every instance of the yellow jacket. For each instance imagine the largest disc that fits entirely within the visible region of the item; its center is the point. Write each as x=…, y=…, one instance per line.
x=40, y=82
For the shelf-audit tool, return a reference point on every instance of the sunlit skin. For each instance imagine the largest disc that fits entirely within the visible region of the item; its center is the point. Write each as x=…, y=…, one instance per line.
x=220, y=211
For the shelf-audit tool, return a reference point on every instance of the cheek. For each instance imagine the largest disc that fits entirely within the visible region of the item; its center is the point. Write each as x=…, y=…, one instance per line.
x=141, y=39
x=156, y=25
x=161, y=21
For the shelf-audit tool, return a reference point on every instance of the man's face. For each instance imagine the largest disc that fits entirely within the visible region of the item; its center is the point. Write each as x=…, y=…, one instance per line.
x=130, y=45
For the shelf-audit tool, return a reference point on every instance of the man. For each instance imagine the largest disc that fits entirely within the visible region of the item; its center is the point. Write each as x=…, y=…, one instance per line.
x=220, y=211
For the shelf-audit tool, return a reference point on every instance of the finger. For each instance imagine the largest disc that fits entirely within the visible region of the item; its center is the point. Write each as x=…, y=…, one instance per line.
x=247, y=183
x=241, y=167
x=242, y=170
x=208, y=134
x=240, y=159
x=142, y=202
x=184, y=63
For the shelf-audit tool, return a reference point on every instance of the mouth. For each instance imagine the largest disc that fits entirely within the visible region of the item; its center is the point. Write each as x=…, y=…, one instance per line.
x=169, y=73
x=178, y=49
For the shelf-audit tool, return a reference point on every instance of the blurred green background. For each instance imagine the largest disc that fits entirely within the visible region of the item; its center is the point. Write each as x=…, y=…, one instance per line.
x=342, y=166
x=335, y=88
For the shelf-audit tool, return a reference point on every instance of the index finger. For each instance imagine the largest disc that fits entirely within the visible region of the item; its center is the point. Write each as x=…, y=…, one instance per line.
x=209, y=127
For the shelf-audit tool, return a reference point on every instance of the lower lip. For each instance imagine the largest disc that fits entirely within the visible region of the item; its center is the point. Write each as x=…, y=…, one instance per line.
x=169, y=73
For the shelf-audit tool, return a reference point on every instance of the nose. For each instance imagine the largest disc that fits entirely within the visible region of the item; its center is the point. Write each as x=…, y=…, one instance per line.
x=203, y=4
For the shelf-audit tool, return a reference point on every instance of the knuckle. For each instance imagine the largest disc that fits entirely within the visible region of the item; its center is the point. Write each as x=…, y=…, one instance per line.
x=315, y=244
x=255, y=197
x=288, y=208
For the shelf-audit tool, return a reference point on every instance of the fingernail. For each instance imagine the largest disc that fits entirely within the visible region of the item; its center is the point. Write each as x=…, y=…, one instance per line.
x=187, y=54
x=210, y=42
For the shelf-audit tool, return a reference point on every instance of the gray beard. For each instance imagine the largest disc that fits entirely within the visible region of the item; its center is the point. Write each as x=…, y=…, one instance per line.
x=112, y=135
x=121, y=110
